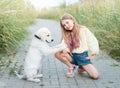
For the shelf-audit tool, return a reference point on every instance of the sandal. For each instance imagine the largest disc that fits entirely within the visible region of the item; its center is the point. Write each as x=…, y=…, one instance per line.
x=70, y=72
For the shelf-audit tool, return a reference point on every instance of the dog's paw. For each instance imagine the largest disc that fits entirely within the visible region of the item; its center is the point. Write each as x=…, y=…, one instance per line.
x=39, y=75
x=34, y=79
x=63, y=46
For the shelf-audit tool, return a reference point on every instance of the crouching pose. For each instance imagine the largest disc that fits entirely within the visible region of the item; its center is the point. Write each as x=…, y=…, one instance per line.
x=79, y=39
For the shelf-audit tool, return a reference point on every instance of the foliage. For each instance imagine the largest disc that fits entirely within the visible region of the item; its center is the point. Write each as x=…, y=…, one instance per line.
x=101, y=16
x=15, y=15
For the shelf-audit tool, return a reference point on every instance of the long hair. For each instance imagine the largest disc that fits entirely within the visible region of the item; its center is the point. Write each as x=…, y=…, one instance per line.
x=71, y=38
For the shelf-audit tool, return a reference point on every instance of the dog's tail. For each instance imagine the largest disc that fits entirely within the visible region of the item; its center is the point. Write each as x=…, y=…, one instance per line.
x=19, y=76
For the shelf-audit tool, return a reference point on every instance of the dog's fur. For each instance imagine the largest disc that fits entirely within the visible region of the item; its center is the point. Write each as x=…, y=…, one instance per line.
x=37, y=49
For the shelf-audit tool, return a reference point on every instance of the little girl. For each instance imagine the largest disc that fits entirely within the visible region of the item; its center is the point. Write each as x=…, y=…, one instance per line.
x=79, y=39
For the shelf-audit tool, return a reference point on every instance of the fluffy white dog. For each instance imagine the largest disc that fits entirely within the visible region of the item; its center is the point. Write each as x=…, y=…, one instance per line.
x=37, y=49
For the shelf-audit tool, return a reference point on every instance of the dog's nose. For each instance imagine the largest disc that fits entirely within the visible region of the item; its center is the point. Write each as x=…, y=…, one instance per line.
x=52, y=40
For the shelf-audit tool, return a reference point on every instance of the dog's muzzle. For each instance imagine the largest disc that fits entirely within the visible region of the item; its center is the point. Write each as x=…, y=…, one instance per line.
x=52, y=40
x=49, y=41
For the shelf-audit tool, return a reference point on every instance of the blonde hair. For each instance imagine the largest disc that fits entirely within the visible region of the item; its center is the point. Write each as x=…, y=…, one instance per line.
x=71, y=38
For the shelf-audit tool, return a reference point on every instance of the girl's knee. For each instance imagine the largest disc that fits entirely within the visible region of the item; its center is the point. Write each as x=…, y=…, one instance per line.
x=95, y=76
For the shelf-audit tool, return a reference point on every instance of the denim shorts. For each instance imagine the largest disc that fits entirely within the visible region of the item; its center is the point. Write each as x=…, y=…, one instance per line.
x=80, y=59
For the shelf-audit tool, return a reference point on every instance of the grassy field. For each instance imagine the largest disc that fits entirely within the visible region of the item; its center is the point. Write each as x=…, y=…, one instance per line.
x=15, y=16
x=100, y=16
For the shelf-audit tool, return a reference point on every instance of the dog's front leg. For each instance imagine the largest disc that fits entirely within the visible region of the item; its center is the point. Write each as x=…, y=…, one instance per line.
x=52, y=50
x=33, y=79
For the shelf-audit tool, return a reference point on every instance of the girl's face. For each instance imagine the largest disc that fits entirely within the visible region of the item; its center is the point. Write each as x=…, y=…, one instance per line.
x=68, y=24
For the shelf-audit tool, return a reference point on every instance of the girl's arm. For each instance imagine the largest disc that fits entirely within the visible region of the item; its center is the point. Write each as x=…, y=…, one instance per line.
x=92, y=43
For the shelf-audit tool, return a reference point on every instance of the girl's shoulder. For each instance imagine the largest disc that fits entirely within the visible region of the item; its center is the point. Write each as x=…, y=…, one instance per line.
x=83, y=28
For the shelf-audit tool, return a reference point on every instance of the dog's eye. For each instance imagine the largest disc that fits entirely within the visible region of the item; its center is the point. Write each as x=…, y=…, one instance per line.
x=48, y=35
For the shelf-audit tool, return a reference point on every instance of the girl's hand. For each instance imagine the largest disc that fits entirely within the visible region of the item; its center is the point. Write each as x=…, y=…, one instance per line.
x=91, y=56
x=66, y=50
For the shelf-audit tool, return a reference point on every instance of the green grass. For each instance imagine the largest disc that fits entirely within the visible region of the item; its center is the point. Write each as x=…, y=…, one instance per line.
x=15, y=16
x=101, y=16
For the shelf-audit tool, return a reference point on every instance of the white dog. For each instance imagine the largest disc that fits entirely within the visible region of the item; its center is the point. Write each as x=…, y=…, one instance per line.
x=37, y=49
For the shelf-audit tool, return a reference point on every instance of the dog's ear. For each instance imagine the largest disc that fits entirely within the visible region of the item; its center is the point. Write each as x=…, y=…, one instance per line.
x=37, y=37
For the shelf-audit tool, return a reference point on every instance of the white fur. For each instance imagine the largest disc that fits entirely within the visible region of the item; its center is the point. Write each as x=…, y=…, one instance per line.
x=37, y=49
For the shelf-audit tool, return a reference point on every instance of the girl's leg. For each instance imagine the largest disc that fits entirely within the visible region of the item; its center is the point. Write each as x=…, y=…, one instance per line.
x=80, y=70
x=91, y=70
x=66, y=59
